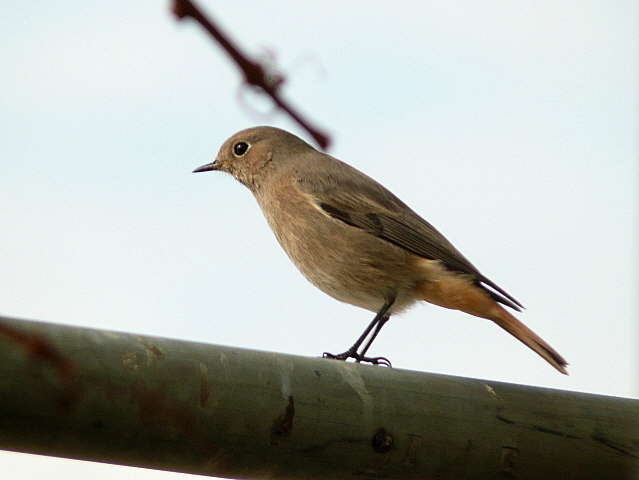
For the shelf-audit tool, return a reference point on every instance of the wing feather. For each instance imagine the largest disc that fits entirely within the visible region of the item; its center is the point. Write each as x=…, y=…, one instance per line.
x=359, y=201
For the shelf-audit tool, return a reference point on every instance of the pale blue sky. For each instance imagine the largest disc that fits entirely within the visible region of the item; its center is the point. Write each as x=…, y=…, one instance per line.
x=511, y=126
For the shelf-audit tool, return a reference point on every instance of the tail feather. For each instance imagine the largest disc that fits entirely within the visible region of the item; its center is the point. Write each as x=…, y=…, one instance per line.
x=525, y=335
x=450, y=290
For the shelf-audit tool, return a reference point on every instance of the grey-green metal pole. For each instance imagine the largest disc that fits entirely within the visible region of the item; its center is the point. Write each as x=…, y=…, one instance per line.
x=230, y=412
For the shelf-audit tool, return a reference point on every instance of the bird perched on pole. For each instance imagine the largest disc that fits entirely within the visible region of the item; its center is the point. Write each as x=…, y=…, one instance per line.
x=356, y=241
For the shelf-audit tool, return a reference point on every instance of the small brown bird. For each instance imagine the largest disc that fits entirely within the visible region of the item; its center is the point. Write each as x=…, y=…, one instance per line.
x=356, y=241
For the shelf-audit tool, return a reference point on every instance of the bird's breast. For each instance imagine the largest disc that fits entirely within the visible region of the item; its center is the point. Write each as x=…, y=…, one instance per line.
x=343, y=261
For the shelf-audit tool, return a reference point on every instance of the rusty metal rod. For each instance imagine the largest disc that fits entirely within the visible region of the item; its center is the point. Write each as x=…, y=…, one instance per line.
x=229, y=412
x=255, y=73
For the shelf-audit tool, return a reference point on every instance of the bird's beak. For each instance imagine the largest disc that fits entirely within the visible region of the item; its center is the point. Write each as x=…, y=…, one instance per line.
x=208, y=167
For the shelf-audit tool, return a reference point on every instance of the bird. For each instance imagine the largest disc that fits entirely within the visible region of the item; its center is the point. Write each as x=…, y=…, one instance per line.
x=358, y=242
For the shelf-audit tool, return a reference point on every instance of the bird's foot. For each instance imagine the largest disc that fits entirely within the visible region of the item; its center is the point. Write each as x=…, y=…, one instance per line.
x=358, y=358
x=374, y=360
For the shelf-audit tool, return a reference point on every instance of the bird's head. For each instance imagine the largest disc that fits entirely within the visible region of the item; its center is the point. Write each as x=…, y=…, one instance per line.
x=255, y=154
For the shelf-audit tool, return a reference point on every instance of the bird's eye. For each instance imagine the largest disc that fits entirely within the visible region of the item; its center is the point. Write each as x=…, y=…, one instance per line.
x=240, y=148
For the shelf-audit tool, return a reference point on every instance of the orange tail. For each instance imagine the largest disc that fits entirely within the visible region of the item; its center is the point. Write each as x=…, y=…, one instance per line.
x=525, y=335
x=453, y=291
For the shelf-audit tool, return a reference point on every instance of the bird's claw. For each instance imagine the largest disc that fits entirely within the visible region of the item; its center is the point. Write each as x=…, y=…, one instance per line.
x=358, y=358
x=375, y=361
x=339, y=356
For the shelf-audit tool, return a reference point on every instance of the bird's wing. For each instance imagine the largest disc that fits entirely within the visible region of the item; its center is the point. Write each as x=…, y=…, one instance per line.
x=361, y=202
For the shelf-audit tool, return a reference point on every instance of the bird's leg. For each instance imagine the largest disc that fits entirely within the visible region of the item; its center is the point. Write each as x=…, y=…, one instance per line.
x=382, y=321
x=378, y=322
x=352, y=352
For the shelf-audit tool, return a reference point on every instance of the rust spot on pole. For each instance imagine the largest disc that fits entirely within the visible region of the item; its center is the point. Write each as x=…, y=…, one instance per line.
x=382, y=441
x=507, y=462
x=283, y=424
x=153, y=351
x=146, y=358
x=40, y=349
